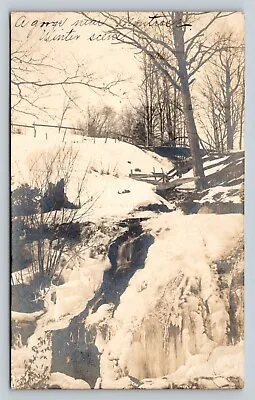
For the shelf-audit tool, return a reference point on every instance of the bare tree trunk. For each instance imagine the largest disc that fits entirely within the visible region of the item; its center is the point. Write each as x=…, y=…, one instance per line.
x=175, y=114
x=215, y=132
x=228, y=113
x=242, y=121
x=198, y=170
x=193, y=138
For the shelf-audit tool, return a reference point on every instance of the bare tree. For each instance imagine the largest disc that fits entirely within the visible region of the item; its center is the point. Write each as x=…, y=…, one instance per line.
x=223, y=95
x=190, y=52
x=242, y=106
x=170, y=114
x=67, y=105
x=37, y=75
x=46, y=226
x=148, y=99
x=101, y=122
x=213, y=126
x=127, y=123
x=159, y=106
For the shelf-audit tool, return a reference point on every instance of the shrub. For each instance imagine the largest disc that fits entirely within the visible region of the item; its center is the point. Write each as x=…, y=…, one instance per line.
x=44, y=225
x=37, y=372
x=25, y=200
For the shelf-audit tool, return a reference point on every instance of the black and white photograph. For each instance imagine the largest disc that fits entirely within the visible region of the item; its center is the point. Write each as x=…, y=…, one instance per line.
x=127, y=200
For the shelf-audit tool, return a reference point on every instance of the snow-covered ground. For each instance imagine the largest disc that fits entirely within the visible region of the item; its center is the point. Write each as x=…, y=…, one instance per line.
x=107, y=190
x=224, y=191
x=170, y=326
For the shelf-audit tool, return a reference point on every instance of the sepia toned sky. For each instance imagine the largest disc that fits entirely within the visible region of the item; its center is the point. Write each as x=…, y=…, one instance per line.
x=104, y=60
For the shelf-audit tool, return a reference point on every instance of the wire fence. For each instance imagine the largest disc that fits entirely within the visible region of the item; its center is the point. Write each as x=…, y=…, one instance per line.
x=63, y=129
x=35, y=127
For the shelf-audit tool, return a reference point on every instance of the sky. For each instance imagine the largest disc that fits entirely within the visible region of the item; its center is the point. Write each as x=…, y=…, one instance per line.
x=104, y=60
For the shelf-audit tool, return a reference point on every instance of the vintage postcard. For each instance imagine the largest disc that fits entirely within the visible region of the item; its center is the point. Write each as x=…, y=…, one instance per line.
x=127, y=200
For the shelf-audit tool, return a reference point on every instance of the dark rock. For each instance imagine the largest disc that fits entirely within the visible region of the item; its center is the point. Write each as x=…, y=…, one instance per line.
x=157, y=208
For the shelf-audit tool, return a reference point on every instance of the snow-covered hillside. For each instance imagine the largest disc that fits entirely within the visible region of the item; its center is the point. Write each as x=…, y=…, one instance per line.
x=156, y=298
x=108, y=191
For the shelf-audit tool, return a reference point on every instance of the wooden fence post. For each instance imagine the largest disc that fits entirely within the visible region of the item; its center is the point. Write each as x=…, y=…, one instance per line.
x=64, y=135
x=34, y=130
x=163, y=175
x=154, y=174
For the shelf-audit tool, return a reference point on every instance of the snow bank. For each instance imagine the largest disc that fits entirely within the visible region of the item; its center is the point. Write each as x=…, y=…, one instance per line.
x=108, y=191
x=210, y=166
x=223, y=194
x=106, y=158
x=66, y=382
x=26, y=317
x=211, y=372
